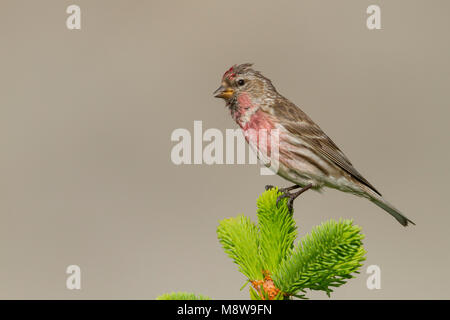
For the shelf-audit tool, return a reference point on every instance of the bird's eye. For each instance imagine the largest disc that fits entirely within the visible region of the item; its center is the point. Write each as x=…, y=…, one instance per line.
x=240, y=82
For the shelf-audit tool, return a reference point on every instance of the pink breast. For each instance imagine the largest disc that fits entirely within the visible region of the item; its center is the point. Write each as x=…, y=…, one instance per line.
x=259, y=131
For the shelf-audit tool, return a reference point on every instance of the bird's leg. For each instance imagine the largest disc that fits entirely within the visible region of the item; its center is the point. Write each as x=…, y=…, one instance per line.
x=283, y=190
x=293, y=196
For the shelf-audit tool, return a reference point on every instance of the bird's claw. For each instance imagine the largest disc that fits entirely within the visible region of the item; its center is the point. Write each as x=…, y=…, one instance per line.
x=290, y=202
x=285, y=194
x=291, y=195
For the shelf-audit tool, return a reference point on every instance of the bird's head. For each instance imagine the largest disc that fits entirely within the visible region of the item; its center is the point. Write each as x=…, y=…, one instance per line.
x=241, y=79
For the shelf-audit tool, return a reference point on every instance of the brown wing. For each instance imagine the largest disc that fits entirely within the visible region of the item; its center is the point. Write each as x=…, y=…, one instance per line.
x=298, y=123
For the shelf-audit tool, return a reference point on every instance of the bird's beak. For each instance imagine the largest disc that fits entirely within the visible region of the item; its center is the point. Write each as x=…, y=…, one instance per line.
x=223, y=92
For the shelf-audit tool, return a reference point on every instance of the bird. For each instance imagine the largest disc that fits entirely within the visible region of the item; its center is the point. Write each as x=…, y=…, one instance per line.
x=307, y=157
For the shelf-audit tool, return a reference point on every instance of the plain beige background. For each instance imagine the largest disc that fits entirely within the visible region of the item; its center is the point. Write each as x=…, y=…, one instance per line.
x=86, y=118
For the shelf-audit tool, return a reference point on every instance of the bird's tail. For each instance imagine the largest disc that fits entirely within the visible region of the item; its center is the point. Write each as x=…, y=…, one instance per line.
x=383, y=204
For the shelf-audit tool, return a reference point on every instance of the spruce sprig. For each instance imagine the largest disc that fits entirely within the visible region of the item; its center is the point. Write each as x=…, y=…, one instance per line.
x=321, y=260
x=326, y=258
x=277, y=230
x=239, y=239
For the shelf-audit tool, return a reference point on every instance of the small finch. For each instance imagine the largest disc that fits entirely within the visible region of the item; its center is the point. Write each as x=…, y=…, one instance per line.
x=307, y=157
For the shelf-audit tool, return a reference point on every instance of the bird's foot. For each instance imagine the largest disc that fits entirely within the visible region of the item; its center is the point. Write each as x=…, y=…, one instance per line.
x=292, y=195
